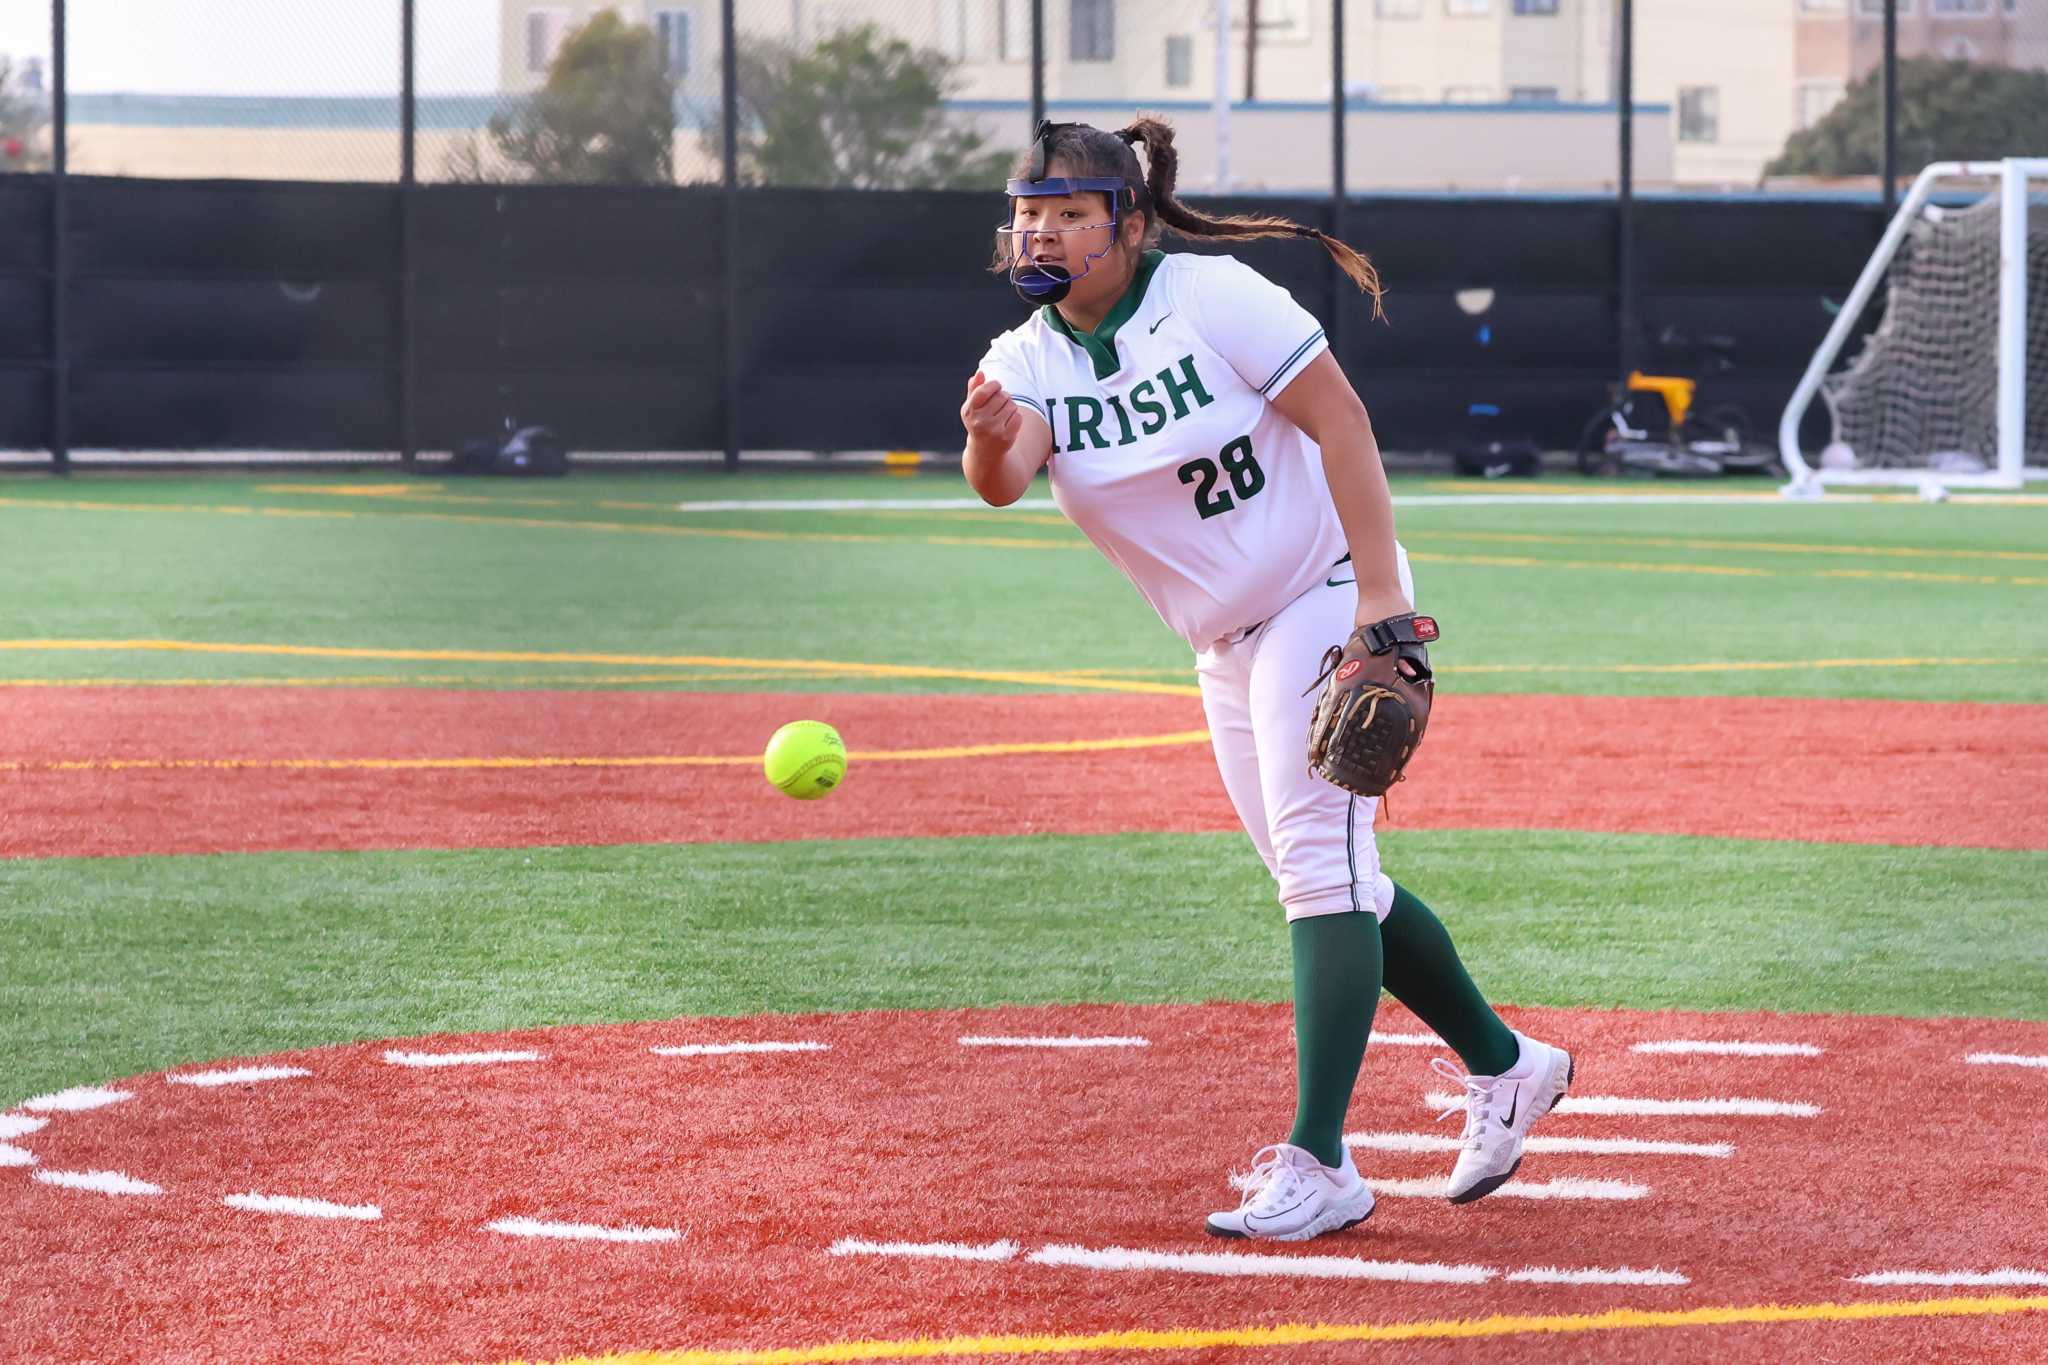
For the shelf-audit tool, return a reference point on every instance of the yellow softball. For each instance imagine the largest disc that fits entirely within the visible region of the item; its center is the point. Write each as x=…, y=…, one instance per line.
x=806, y=759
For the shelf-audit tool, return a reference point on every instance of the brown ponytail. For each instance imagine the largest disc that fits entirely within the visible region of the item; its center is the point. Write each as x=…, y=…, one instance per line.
x=1163, y=164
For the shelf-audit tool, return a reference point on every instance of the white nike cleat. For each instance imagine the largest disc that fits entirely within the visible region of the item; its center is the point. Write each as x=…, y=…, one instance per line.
x=1290, y=1197
x=1498, y=1112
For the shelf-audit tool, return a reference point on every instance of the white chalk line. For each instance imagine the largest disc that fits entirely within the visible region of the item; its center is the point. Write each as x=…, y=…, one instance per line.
x=246, y=1075
x=1620, y=1105
x=1683, y=1046
x=76, y=1099
x=2011, y=1275
x=1621, y=1275
x=1433, y=1188
x=734, y=1048
x=19, y=1125
x=398, y=1058
x=1253, y=1263
x=942, y=1251
x=581, y=1232
x=1431, y=1142
x=975, y=1040
x=1406, y=1040
x=1243, y=1263
x=302, y=1208
x=100, y=1182
x=16, y=1156
x=1759, y=499
x=2004, y=1059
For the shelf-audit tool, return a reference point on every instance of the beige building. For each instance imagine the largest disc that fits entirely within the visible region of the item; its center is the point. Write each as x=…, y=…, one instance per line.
x=1724, y=82
x=1445, y=94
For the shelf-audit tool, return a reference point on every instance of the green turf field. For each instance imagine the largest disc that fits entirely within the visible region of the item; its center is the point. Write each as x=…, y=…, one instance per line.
x=113, y=965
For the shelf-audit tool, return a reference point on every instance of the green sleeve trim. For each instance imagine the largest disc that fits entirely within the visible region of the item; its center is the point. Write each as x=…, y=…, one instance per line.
x=1299, y=352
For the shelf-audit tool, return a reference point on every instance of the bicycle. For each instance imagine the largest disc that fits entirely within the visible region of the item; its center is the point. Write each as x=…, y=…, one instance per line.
x=1649, y=425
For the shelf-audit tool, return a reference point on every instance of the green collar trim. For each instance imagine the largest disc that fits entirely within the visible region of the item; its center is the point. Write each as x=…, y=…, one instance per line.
x=1100, y=344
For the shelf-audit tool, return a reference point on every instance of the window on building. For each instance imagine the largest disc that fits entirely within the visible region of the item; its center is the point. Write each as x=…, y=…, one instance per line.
x=1535, y=6
x=1091, y=31
x=1815, y=99
x=1468, y=94
x=1180, y=60
x=1468, y=6
x=1875, y=8
x=673, y=28
x=1699, y=113
x=1532, y=94
x=1014, y=30
x=545, y=29
x=1959, y=6
x=1822, y=6
x=1399, y=9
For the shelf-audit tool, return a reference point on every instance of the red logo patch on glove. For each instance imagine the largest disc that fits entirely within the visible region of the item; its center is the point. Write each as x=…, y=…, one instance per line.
x=1350, y=670
x=1425, y=628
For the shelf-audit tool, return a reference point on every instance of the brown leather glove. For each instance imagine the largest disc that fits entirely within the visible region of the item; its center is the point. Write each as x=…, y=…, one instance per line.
x=1377, y=687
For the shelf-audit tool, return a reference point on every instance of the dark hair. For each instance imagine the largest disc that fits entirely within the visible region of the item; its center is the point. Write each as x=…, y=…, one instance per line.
x=1086, y=151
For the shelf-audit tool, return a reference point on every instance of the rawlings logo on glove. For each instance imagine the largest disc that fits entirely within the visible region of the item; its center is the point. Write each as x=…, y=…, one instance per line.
x=1377, y=687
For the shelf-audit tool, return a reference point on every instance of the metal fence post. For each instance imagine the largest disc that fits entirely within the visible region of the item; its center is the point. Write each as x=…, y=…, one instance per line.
x=1891, y=108
x=1625, y=197
x=1037, y=63
x=730, y=94
x=408, y=184
x=60, y=253
x=1340, y=217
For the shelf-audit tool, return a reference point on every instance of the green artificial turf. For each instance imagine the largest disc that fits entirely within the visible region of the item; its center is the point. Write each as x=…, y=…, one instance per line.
x=112, y=966
x=605, y=563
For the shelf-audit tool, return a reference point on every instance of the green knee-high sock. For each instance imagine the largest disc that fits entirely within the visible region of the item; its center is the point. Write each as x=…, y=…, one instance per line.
x=1423, y=972
x=1336, y=990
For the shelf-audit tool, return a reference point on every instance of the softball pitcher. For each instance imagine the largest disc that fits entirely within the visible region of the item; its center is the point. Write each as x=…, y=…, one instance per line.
x=1198, y=431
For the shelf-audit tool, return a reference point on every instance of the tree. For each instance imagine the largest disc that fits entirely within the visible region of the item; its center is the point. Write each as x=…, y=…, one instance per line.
x=606, y=116
x=23, y=119
x=859, y=110
x=1948, y=111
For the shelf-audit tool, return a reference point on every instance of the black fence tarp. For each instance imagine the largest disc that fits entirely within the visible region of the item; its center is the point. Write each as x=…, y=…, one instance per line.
x=242, y=315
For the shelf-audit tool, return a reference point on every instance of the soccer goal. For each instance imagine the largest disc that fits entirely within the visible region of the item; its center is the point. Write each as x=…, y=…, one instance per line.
x=1950, y=388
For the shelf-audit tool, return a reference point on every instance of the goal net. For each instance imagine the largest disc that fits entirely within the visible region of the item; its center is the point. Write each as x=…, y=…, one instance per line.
x=1950, y=386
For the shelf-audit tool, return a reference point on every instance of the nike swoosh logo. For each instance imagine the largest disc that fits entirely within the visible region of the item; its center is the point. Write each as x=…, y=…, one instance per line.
x=1339, y=582
x=1252, y=1218
x=1512, y=1102
x=1155, y=326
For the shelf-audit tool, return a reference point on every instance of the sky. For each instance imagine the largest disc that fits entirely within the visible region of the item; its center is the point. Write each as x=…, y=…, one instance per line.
x=259, y=47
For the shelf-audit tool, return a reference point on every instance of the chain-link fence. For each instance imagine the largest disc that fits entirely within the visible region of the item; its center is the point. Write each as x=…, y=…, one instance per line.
x=1439, y=95
x=25, y=78
x=234, y=89
x=568, y=91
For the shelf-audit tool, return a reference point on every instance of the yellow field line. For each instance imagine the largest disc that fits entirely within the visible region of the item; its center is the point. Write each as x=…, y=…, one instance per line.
x=551, y=524
x=553, y=680
x=1718, y=570
x=1745, y=666
x=1301, y=1334
x=1700, y=543
x=1534, y=490
x=1025, y=678
x=1630, y=566
x=978, y=542
x=771, y=670
x=1047, y=746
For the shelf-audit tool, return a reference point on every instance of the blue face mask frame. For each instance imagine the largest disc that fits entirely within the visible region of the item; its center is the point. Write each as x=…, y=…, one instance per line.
x=1034, y=282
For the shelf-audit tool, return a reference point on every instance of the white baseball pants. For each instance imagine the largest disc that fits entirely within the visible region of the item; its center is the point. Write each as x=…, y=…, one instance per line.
x=1258, y=694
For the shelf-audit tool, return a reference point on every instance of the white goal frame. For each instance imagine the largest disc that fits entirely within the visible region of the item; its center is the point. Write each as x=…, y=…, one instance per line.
x=2010, y=471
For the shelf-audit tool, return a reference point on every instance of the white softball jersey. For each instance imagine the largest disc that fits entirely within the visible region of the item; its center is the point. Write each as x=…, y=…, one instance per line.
x=1170, y=457
x=1167, y=454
